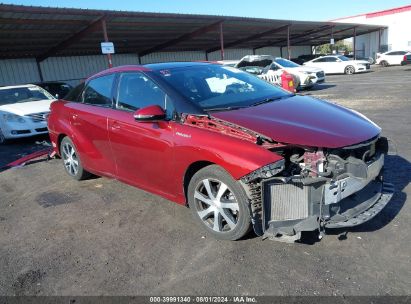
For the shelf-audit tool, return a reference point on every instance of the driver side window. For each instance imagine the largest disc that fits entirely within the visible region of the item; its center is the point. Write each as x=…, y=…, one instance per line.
x=136, y=91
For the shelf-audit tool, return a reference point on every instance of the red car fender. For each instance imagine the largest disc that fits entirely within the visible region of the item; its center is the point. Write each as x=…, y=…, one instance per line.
x=238, y=157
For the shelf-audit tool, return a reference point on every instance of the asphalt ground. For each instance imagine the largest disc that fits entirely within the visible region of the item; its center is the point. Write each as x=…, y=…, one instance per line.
x=102, y=237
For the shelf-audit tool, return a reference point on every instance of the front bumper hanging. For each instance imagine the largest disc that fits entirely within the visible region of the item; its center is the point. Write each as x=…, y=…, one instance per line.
x=291, y=206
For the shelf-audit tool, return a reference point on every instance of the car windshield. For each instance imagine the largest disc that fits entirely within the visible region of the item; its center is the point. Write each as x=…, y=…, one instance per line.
x=286, y=63
x=343, y=58
x=256, y=70
x=23, y=94
x=214, y=87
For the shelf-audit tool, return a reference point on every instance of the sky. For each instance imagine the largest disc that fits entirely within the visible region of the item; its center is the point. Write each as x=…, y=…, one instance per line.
x=313, y=10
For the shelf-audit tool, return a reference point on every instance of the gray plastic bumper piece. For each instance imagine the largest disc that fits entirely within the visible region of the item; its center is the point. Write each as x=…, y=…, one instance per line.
x=375, y=208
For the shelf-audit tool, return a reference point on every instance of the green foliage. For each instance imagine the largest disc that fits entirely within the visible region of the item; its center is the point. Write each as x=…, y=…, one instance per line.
x=340, y=46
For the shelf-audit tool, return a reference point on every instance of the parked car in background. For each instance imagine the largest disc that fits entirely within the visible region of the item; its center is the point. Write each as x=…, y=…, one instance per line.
x=369, y=59
x=271, y=68
x=56, y=88
x=406, y=59
x=391, y=58
x=242, y=153
x=304, y=58
x=338, y=64
x=23, y=111
x=260, y=66
x=231, y=63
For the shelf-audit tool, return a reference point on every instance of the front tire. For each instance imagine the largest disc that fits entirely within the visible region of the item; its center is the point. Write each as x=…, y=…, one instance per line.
x=384, y=63
x=219, y=203
x=349, y=70
x=71, y=160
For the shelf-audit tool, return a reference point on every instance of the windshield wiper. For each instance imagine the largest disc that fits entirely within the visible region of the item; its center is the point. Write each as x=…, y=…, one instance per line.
x=267, y=100
x=225, y=108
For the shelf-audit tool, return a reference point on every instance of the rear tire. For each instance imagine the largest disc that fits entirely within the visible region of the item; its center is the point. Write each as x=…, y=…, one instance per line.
x=349, y=70
x=71, y=160
x=384, y=63
x=219, y=203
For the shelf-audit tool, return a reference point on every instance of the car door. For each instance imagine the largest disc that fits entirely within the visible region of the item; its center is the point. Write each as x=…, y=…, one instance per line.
x=143, y=150
x=334, y=65
x=320, y=63
x=88, y=121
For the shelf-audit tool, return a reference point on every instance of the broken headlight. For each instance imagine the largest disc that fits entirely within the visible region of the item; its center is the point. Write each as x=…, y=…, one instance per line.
x=267, y=171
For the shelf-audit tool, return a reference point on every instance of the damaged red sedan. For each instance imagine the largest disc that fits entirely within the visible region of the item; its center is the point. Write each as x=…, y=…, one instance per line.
x=241, y=153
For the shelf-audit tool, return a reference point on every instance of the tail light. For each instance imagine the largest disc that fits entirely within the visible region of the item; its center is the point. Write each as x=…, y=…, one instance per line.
x=405, y=58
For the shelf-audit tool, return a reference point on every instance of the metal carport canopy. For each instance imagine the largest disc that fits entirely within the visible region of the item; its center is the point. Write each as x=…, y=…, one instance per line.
x=42, y=32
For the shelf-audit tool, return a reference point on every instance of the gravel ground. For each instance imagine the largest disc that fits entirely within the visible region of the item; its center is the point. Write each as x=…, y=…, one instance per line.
x=101, y=237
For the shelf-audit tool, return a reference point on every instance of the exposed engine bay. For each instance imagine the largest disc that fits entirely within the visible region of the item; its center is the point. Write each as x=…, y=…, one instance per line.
x=313, y=189
x=310, y=189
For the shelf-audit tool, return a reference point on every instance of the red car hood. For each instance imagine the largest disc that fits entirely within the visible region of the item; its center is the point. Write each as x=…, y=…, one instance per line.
x=305, y=121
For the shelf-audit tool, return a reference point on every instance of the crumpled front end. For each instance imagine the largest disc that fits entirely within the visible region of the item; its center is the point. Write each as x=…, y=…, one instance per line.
x=313, y=189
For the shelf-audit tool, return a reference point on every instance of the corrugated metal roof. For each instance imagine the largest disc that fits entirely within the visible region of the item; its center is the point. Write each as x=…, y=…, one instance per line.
x=31, y=31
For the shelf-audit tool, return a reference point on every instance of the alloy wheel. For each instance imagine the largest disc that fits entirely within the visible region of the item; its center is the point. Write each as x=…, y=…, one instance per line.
x=216, y=205
x=349, y=70
x=70, y=159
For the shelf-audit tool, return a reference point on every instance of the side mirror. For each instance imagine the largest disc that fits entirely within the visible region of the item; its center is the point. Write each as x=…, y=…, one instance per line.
x=150, y=114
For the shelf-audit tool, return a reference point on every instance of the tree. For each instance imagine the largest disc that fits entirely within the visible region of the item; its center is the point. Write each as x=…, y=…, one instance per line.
x=339, y=46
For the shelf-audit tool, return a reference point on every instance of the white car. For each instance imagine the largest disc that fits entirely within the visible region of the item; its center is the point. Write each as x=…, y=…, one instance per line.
x=272, y=68
x=23, y=111
x=391, y=58
x=338, y=64
x=230, y=63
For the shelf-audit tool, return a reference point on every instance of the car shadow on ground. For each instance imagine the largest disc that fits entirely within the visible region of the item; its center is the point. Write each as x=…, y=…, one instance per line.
x=315, y=88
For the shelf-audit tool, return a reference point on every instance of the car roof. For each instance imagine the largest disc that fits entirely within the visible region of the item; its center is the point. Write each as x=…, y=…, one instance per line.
x=170, y=65
x=148, y=67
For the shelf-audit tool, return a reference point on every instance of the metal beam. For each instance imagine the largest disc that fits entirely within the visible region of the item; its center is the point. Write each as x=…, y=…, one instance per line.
x=249, y=38
x=221, y=41
x=182, y=38
x=292, y=38
x=104, y=28
x=354, y=41
x=324, y=35
x=288, y=43
x=94, y=26
x=42, y=21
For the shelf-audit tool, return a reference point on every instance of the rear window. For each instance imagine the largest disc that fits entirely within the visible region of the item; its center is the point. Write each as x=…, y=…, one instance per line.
x=98, y=91
x=286, y=63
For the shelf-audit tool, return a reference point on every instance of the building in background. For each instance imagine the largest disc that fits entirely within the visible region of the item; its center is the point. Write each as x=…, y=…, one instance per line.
x=397, y=35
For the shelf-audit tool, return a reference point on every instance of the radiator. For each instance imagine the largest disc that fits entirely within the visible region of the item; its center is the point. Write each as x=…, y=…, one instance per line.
x=286, y=201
